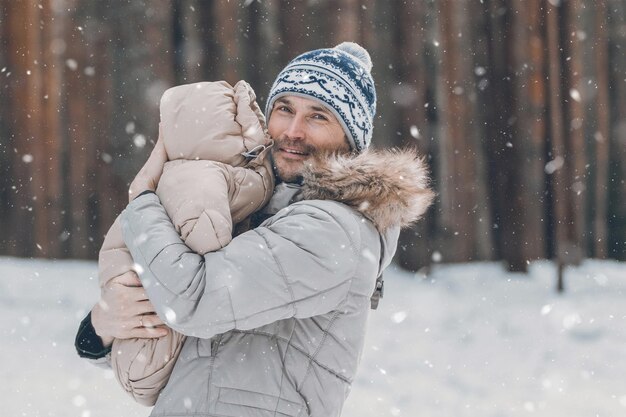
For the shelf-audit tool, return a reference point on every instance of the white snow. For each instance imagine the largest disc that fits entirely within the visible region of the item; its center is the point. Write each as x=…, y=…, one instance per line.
x=469, y=340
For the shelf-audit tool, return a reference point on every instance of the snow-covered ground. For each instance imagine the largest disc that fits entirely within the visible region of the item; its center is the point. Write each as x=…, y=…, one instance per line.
x=468, y=340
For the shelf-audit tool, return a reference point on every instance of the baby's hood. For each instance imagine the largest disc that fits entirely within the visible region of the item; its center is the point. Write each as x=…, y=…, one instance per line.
x=212, y=121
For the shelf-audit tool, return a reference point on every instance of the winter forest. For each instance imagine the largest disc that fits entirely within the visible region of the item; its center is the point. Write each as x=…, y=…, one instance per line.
x=518, y=106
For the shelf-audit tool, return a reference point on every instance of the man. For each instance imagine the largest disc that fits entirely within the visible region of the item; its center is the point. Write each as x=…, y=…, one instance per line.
x=275, y=320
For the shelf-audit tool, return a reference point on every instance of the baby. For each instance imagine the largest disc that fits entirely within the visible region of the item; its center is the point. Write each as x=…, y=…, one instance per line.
x=218, y=173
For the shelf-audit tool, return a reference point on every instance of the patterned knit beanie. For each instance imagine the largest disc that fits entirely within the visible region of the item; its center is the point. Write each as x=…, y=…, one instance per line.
x=340, y=79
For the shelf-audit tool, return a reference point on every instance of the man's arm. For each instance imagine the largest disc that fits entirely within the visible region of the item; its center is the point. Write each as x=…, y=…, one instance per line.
x=302, y=264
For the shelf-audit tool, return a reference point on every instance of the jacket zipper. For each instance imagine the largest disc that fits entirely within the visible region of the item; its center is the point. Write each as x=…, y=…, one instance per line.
x=215, y=343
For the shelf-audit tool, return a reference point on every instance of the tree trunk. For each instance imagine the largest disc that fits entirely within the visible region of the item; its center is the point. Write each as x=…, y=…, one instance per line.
x=293, y=32
x=5, y=133
x=25, y=91
x=345, y=21
x=483, y=217
x=498, y=112
x=416, y=243
x=524, y=229
x=52, y=142
x=271, y=57
x=600, y=208
x=110, y=195
x=575, y=144
x=457, y=176
x=617, y=184
x=385, y=123
x=561, y=218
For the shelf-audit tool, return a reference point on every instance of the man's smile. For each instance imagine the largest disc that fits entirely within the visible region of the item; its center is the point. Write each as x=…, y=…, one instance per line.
x=293, y=153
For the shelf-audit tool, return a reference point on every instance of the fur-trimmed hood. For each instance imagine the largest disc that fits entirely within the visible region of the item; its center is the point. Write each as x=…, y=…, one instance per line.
x=390, y=187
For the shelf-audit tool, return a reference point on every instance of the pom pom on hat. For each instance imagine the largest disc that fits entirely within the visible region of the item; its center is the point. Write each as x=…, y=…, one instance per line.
x=340, y=79
x=358, y=52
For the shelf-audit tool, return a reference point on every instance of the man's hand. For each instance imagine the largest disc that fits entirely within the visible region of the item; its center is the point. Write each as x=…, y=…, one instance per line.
x=148, y=176
x=124, y=312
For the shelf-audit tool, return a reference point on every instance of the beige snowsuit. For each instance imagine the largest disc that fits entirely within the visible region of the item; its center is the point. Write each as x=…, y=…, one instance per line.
x=218, y=173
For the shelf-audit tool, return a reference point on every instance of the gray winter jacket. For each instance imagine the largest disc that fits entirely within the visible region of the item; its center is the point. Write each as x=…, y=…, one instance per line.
x=276, y=319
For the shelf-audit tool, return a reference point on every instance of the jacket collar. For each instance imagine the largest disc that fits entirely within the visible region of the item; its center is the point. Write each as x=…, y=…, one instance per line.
x=389, y=187
x=284, y=194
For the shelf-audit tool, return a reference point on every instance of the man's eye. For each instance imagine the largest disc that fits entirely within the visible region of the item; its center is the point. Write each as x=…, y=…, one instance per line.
x=319, y=117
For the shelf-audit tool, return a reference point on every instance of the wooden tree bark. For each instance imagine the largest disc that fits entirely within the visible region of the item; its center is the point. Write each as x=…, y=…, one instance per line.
x=575, y=145
x=602, y=134
x=80, y=113
x=482, y=211
x=413, y=95
x=496, y=94
x=345, y=21
x=617, y=137
x=52, y=141
x=382, y=15
x=562, y=221
x=110, y=193
x=25, y=91
x=293, y=30
x=524, y=239
x=189, y=34
x=270, y=40
x=5, y=126
x=227, y=36
x=457, y=174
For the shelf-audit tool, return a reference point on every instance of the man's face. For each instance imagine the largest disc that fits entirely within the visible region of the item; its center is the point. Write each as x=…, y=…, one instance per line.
x=302, y=128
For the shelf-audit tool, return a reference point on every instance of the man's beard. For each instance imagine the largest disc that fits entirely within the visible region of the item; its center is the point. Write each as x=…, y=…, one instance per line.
x=280, y=177
x=314, y=156
x=298, y=146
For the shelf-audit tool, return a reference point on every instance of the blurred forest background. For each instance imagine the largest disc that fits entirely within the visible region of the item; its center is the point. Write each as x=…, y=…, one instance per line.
x=518, y=105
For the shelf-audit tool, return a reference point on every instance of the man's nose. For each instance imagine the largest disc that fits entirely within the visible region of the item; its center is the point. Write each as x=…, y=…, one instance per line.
x=296, y=128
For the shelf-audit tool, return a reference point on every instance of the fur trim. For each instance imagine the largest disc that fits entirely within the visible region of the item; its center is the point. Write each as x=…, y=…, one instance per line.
x=390, y=187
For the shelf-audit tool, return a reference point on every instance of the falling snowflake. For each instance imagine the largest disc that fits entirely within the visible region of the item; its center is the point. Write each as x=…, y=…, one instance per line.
x=138, y=269
x=139, y=140
x=71, y=64
x=554, y=165
x=170, y=315
x=480, y=71
x=399, y=317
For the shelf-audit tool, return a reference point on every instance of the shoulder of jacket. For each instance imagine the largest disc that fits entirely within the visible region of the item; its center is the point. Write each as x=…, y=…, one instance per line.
x=342, y=213
x=354, y=224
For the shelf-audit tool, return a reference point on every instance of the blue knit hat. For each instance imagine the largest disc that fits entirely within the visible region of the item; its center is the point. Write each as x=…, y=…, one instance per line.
x=340, y=79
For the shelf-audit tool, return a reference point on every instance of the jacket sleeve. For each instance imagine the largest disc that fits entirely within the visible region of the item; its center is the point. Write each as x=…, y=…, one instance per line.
x=89, y=345
x=300, y=265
